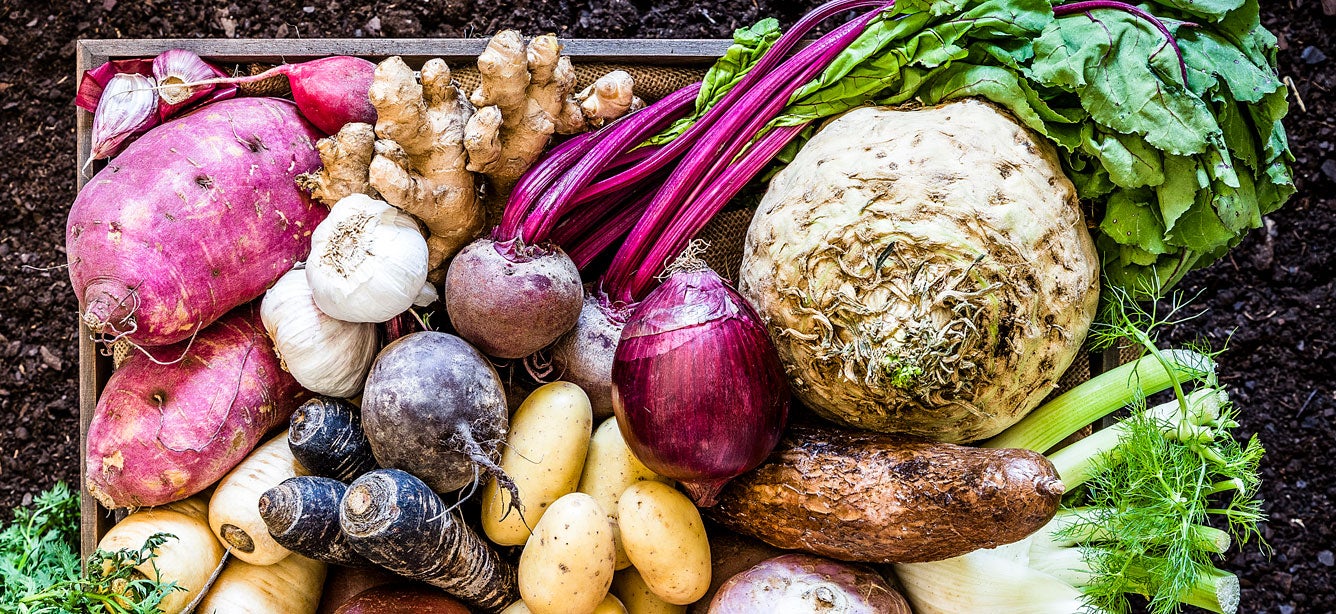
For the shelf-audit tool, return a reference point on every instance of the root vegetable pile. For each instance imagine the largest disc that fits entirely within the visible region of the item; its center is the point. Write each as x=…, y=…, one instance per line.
x=470, y=398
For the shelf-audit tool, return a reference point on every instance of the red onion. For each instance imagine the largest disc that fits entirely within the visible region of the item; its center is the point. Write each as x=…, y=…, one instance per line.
x=697, y=386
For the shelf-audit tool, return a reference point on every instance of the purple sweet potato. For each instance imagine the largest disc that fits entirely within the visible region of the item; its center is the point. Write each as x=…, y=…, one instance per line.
x=198, y=216
x=163, y=432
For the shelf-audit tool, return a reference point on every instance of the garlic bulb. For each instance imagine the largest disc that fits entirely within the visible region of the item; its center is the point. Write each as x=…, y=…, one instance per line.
x=325, y=355
x=368, y=261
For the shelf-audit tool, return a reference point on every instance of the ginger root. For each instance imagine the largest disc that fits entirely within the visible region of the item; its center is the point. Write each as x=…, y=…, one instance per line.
x=345, y=157
x=430, y=144
x=420, y=164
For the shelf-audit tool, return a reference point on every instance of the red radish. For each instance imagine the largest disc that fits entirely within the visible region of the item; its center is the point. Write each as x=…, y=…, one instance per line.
x=163, y=432
x=198, y=216
x=329, y=91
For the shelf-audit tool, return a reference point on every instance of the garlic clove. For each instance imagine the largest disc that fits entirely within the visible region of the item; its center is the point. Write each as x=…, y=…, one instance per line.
x=175, y=68
x=94, y=80
x=128, y=106
x=426, y=296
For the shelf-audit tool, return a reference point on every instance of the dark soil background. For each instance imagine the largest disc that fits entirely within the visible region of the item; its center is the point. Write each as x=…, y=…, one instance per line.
x=1271, y=299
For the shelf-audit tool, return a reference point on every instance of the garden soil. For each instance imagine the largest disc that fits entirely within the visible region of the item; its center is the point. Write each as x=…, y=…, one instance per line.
x=1270, y=301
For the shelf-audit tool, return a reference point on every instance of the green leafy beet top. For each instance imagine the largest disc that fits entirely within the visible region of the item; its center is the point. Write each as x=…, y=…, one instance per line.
x=1167, y=115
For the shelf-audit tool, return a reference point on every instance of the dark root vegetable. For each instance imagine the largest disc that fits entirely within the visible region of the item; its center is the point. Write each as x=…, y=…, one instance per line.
x=511, y=299
x=584, y=355
x=698, y=389
x=326, y=437
x=806, y=583
x=397, y=522
x=434, y=406
x=302, y=514
x=402, y=598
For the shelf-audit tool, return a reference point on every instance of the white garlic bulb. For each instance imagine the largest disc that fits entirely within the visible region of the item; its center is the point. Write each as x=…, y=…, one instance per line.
x=325, y=355
x=368, y=261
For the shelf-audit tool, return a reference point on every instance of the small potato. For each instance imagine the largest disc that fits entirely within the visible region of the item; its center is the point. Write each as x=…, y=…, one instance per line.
x=545, y=453
x=630, y=587
x=665, y=539
x=609, y=605
x=567, y=564
x=609, y=469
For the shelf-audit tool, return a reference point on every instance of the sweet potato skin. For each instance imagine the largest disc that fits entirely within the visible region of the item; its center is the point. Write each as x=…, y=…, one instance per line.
x=161, y=433
x=198, y=216
x=874, y=498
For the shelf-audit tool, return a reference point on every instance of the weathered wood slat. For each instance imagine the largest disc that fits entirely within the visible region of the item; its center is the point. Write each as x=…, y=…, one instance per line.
x=649, y=51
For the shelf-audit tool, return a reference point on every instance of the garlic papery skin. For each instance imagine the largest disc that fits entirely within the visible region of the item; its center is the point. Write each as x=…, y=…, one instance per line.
x=128, y=107
x=173, y=69
x=325, y=355
x=368, y=261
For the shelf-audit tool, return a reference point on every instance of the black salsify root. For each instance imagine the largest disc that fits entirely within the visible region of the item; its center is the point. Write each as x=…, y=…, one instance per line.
x=463, y=437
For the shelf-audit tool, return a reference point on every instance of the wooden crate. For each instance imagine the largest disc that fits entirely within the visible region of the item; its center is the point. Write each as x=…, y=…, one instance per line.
x=94, y=368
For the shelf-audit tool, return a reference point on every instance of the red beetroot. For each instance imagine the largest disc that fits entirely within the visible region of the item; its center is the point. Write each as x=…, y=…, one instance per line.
x=532, y=295
x=198, y=216
x=163, y=432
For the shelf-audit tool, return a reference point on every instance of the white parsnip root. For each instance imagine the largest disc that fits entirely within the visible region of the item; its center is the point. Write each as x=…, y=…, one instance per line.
x=431, y=140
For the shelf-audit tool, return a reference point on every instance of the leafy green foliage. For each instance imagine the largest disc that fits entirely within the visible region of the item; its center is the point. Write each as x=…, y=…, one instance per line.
x=1167, y=478
x=1175, y=171
x=37, y=548
x=749, y=44
x=39, y=569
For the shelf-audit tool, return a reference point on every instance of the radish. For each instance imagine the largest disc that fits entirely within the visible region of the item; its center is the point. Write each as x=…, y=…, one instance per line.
x=801, y=583
x=302, y=514
x=198, y=216
x=326, y=437
x=330, y=92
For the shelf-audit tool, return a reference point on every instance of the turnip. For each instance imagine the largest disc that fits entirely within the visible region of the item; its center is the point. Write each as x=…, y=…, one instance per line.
x=802, y=584
x=433, y=406
x=198, y=216
x=926, y=272
x=584, y=355
x=163, y=431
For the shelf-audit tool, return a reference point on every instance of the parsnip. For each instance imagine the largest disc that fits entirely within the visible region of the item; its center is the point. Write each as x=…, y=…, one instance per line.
x=188, y=559
x=290, y=586
x=234, y=510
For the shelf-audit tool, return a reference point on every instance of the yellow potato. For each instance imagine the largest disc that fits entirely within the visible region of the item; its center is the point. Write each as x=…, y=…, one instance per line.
x=567, y=564
x=544, y=454
x=665, y=539
x=609, y=469
x=628, y=586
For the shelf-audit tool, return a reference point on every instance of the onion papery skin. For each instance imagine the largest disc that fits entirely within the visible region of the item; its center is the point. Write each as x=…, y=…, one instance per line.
x=697, y=386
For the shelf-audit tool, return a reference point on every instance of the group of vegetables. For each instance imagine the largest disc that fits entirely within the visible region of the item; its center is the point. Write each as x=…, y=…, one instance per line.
x=356, y=265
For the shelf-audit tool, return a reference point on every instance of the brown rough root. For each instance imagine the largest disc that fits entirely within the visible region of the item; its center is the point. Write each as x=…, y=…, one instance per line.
x=528, y=89
x=419, y=163
x=344, y=159
x=924, y=272
x=873, y=498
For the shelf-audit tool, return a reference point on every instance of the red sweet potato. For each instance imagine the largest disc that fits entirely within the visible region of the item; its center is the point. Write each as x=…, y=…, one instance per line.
x=163, y=432
x=198, y=216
